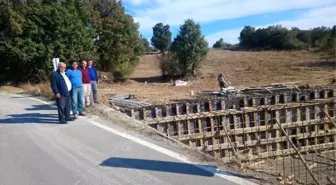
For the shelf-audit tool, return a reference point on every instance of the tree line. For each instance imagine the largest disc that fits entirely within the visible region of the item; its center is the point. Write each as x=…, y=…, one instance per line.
x=182, y=57
x=32, y=32
x=280, y=38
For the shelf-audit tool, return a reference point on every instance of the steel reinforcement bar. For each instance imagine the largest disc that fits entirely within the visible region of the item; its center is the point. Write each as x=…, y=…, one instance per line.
x=266, y=128
x=256, y=130
x=237, y=103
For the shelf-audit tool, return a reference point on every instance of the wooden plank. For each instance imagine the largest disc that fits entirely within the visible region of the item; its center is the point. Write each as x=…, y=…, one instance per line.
x=239, y=131
x=230, y=111
x=271, y=141
x=129, y=103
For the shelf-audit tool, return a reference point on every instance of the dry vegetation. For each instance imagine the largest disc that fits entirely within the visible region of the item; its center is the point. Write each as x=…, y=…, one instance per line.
x=242, y=69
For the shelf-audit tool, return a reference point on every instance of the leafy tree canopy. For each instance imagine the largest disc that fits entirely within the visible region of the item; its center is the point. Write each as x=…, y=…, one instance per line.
x=278, y=37
x=161, y=39
x=33, y=32
x=189, y=48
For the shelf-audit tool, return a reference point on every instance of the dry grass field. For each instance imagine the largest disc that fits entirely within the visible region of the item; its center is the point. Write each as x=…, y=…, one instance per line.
x=242, y=69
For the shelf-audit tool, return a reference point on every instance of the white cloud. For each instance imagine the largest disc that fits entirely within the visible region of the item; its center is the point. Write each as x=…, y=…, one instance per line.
x=313, y=18
x=174, y=12
x=136, y=2
x=309, y=19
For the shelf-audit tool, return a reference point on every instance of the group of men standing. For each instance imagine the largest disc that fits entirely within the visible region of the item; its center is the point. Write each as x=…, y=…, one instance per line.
x=73, y=87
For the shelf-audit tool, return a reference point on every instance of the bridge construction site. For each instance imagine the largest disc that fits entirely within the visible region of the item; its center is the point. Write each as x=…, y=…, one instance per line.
x=279, y=133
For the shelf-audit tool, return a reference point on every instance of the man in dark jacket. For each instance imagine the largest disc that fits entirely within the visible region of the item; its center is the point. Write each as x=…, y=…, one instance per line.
x=61, y=86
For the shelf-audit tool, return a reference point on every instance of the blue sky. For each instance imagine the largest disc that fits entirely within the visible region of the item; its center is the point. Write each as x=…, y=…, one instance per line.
x=225, y=18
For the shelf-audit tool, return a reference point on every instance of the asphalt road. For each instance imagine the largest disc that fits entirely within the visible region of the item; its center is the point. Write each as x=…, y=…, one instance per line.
x=36, y=150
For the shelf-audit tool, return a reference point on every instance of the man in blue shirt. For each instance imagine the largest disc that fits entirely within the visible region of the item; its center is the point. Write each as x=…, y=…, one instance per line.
x=94, y=80
x=61, y=87
x=75, y=77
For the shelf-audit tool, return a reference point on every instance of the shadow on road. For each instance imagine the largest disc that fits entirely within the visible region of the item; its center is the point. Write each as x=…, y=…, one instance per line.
x=41, y=107
x=153, y=165
x=171, y=167
x=34, y=117
x=30, y=118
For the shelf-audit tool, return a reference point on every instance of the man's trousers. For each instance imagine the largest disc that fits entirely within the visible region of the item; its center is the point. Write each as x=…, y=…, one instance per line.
x=86, y=94
x=94, y=87
x=63, y=107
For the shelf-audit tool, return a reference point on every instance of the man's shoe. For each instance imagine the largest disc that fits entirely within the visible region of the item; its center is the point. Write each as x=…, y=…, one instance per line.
x=70, y=119
x=82, y=114
x=63, y=122
x=96, y=102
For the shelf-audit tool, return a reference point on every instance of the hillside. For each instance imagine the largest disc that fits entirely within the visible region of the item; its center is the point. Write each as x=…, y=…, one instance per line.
x=242, y=69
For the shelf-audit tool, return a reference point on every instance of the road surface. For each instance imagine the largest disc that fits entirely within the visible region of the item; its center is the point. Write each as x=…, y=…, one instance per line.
x=36, y=150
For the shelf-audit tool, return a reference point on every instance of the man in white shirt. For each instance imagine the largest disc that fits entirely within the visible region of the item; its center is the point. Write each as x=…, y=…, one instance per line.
x=67, y=81
x=61, y=87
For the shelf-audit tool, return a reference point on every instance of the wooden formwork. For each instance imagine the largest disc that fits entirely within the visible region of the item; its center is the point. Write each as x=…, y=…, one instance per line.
x=246, y=125
x=237, y=103
x=255, y=132
x=261, y=127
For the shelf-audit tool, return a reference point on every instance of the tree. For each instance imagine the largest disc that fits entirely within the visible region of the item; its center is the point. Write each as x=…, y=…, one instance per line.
x=33, y=32
x=189, y=48
x=161, y=38
x=246, y=37
x=304, y=36
x=219, y=44
x=319, y=36
x=119, y=45
x=331, y=40
x=333, y=31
